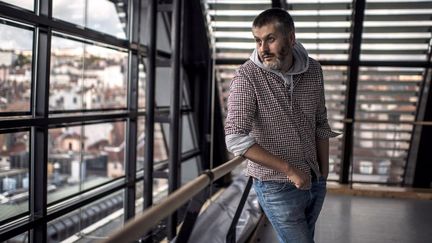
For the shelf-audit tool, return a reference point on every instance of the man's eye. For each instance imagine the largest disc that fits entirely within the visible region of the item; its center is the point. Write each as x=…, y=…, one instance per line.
x=271, y=39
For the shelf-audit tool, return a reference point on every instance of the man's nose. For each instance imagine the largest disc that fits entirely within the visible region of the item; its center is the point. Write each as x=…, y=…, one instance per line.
x=264, y=47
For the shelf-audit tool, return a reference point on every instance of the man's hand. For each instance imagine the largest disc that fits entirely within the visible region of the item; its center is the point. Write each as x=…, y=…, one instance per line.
x=259, y=155
x=300, y=179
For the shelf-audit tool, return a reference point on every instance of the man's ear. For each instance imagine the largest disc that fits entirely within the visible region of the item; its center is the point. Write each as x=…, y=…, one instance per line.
x=292, y=38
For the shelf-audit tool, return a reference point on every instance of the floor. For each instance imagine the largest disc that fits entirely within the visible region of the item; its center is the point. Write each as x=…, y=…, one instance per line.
x=359, y=219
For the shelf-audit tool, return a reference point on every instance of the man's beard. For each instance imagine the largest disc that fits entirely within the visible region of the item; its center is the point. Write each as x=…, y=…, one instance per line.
x=278, y=61
x=274, y=65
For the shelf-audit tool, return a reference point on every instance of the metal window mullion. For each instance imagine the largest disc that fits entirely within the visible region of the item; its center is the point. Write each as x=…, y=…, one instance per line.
x=175, y=123
x=39, y=134
x=150, y=105
x=350, y=99
x=132, y=124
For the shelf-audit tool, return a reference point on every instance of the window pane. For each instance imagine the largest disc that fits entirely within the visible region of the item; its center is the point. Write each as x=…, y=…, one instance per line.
x=14, y=174
x=85, y=76
x=27, y=4
x=189, y=170
x=389, y=95
x=101, y=15
x=188, y=138
x=187, y=134
x=141, y=87
x=22, y=238
x=160, y=191
x=163, y=86
x=73, y=168
x=160, y=152
x=15, y=68
x=96, y=220
x=335, y=80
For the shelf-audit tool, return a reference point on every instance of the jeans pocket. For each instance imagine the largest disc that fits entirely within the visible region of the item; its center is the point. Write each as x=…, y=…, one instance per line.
x=274, y=187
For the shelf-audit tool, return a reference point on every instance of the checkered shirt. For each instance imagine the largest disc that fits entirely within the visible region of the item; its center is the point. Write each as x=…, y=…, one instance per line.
x=260, y=105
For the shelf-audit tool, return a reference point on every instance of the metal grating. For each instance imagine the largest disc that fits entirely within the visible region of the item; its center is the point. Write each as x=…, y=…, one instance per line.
x=323, y=27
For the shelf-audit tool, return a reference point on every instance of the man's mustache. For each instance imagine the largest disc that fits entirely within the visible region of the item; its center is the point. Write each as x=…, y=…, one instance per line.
x=267, y=54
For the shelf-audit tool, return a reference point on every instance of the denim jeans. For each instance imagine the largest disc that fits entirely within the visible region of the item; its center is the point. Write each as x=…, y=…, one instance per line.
x=291, y=211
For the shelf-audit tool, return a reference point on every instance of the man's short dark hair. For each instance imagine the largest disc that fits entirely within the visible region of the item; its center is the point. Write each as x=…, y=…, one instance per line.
x=275, y=15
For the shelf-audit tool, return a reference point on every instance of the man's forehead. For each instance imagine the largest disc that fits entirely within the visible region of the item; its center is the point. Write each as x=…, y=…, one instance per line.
x=264, y=30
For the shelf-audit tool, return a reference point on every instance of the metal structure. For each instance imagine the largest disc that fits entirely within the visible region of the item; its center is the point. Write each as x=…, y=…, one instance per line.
x=170, y=123
x=147, y=48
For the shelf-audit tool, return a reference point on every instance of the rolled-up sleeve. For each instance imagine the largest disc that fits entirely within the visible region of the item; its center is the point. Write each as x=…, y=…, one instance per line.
x=240, y=117
x=323, y=129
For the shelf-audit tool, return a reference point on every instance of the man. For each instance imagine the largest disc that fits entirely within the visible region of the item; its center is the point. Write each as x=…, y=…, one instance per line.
x=277, y=119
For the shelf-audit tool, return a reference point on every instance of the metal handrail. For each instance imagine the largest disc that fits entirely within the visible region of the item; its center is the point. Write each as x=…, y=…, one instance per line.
x=140, y=225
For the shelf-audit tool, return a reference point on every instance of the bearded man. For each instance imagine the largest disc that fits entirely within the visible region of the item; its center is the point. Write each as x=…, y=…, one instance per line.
x=277, y=119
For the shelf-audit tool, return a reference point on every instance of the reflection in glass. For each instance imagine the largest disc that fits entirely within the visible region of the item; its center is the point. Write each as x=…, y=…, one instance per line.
x=85, y=76
x=15, y=68
x=99, y=219
x=102, y=15
x=27, y=4
x=83, y=157
x=14, y=174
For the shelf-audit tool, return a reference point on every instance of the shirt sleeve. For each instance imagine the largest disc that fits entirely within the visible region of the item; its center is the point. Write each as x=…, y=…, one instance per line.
x=238, y=144
x=240, y=116
x=323, y=129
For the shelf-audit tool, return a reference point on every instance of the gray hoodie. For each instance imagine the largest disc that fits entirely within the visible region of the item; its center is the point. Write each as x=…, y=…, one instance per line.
x=238, y=144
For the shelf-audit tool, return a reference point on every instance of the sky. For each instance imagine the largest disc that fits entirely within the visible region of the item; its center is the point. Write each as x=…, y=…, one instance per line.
x=102, y=17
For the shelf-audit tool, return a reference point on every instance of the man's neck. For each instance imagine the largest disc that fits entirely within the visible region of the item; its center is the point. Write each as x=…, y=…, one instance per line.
x=289, y=62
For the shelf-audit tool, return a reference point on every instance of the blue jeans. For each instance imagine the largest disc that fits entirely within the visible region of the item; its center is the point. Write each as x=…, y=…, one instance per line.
x=291, y=211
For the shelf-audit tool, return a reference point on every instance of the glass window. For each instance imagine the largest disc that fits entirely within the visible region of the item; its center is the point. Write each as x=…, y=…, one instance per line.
x=139, y=197
x=160, y=191
x=187, y=134
x=86, y=76
x=380, y=152
x=82, y=157
x=163, y=86
x=160, y=152
x=15, y=68
x=96, y=220
x=189, y=170
x=389, y=95
x=14, y=174
x=141, y=87
x=22, y=238
x=101, y=15
x=335, y=80
x=27, y=4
